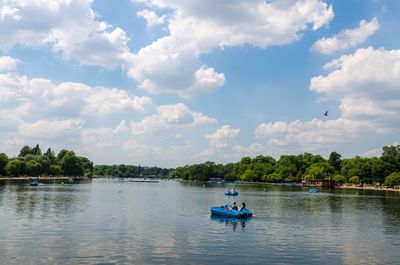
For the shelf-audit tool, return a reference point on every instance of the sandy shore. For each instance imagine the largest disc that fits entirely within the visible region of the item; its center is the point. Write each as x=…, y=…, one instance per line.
x=368, y=188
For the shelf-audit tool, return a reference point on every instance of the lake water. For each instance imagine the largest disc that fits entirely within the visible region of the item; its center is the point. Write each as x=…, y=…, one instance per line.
x=121, y=222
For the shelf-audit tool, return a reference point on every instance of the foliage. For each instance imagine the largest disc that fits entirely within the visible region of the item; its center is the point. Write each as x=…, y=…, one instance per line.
x=32, y=162
x=393, y=179
x=320, y=170
x=3, y=163
x=355, y=180
x=71, y=165
x=340, y=179
x=16, y=167
x=55, y=170
x=335, y=160
x=128, y=171
x=33, y=168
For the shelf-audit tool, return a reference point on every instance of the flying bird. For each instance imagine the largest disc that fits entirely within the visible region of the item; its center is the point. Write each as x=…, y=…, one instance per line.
x=326, y=113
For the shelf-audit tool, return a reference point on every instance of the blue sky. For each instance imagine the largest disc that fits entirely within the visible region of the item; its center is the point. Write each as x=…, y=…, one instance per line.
x=174, y=82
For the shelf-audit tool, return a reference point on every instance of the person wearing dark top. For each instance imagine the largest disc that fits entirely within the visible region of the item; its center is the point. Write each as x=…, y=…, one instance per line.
x=243, y=206
x=234, y=207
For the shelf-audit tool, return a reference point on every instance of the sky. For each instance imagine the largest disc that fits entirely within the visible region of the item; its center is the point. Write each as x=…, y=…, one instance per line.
x=175, y=82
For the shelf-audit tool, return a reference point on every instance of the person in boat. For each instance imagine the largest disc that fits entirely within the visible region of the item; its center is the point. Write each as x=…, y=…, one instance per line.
x=243, y=206
x=234, y=207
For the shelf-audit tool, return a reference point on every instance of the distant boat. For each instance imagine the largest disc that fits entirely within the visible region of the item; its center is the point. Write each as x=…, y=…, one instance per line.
x=231, y=193
x=313, y=190
x=33, y=182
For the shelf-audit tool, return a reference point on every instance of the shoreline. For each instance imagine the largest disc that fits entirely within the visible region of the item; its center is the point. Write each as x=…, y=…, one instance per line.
x=40, y=178
x=368, y=188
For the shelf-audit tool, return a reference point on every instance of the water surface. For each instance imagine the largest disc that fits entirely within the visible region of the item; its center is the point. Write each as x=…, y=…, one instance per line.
x=121, y=222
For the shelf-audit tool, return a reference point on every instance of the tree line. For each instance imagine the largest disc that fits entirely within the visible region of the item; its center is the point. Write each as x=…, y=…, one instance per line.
x=129, y=171
x=32, y=162
x=296, y=168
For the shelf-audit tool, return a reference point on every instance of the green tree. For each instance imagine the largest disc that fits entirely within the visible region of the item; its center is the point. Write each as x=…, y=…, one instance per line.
x=335, y=160
x=55, y=170
x=3, y=163
x=287, y=166
x=62, y=153
x=321, y=170
x=16, y=167
x=33, y=168
x=358, y=166
x=273, y=178
x=51, y=156
x=379, y=169
x=36, y=150
x=391, y=155
x=355, y=180
x=393, y=179
x=248, y=175
x=339, y=179
x=71, y=165
x=25, y=151
x=88, y=166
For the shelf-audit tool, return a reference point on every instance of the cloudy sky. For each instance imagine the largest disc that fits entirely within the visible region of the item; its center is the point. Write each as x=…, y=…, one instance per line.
x=174, y=82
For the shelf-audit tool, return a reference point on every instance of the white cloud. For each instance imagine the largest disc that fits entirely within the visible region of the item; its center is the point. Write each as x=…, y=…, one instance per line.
x=40, y=97
x=8, y=63
x=172, y=63
x=311, y=135
x=219, y=138
x=347, y=39
x=169, y=116
x=368, y=83
x=50, y=128
x=151, y=17
x=69, y=27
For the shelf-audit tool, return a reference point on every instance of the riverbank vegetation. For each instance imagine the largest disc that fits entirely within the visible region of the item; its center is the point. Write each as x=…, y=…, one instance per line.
x=296, y=168
x=32, y=162
x=129, y=171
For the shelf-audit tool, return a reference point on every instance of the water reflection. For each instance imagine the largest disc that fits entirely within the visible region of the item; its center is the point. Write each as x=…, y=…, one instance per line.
x=230, y=221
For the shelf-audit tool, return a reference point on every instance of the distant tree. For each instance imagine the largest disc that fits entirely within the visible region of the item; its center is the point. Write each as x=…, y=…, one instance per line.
x=248, y=175
x=33, y=168
x=321, y=170
x=355, y=180
x=16, y=167
x=55, y=170
x=36, y=150
x=391, y=155
x=71, y=165
x=335, y=160
x=393, y=179
x=25, y=151
x=287, y=165
x=305, y=160
x=273, y=178
x=88, y=166
x=51, y=156
x=379, y=169
x=358, y=166
x=3, y=163
x=62, y=153
x=339, y=179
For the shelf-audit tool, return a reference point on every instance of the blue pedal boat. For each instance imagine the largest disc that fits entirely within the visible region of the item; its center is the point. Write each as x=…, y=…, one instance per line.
x=225, y=212
x=231, y=193
x=313, y=190
x=33, y=182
